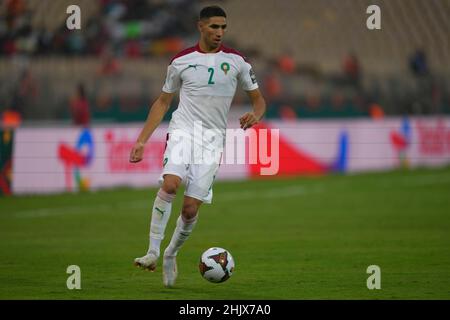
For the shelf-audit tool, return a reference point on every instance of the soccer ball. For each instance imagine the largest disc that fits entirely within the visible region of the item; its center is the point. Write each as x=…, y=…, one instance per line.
x=216, y=265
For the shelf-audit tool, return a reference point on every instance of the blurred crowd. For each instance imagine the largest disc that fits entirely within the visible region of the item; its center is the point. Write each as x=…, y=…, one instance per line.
x=128, y=28
x=118, y=31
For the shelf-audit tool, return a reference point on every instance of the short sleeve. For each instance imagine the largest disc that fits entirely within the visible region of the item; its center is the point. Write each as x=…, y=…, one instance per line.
x=247, y=78
x=173, y=82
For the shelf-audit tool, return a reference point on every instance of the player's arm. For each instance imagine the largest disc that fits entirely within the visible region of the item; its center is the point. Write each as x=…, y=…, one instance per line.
x=154, y=118
x=249, y=119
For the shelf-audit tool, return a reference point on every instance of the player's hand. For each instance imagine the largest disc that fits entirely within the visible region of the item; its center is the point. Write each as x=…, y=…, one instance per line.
x=248, y=120
x=137, y=152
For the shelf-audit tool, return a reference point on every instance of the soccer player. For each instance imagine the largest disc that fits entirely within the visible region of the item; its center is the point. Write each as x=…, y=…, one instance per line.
x=206, y=76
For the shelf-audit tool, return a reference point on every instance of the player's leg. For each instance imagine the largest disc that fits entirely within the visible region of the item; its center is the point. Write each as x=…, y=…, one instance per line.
x=162, y=207
x=185, y=224
x=170, y=179
x=199, y=183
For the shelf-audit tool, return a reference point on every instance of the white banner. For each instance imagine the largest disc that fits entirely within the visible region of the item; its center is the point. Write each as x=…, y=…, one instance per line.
x=48, y=160
x=69, y=159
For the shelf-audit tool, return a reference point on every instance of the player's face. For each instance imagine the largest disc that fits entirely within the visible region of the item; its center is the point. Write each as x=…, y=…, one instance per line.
x=212, y=30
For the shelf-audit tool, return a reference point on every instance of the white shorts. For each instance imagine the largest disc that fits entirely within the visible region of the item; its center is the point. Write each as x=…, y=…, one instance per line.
x=198, y=176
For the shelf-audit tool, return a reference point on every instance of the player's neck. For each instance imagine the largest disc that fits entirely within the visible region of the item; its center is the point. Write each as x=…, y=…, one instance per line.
x=207, y=49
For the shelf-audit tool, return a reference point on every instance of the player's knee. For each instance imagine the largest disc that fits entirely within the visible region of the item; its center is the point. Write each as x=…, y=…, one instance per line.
x=170, y=188
x=170, y=185
x=189, y=210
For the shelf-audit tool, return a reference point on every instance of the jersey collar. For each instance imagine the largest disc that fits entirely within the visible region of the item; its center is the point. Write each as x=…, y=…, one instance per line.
x=197, y=48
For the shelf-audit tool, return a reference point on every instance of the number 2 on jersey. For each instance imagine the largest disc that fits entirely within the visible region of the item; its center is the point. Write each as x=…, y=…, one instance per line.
x=211, y=81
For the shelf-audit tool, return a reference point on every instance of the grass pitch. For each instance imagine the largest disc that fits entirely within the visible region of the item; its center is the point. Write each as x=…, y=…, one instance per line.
x=298, y=238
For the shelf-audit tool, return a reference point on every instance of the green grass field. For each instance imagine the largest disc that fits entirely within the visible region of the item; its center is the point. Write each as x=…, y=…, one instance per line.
x=302, y=238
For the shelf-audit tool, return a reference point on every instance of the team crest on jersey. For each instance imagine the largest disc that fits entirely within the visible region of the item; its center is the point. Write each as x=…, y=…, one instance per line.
x=225, y=66
x=252, y=76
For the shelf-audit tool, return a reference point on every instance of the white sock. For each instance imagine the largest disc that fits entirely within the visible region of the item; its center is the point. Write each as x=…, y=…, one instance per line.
x=180, y=235
x=160, y=216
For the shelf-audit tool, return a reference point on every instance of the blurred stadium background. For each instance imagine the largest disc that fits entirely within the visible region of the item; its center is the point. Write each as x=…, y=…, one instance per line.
x=346, y=100
x=313, y=58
